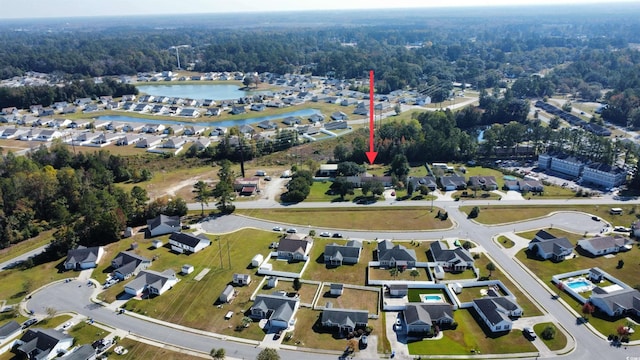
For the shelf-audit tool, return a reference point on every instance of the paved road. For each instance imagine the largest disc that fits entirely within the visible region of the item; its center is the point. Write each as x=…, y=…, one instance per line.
x=20, y=258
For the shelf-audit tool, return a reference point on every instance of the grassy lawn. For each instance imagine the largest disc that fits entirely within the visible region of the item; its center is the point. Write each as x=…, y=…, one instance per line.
x=505, y=242
x=138, y=350
x=194, y=303
x=84, y=333
x=546, y=269
x=470, y=335
x=16, y=283
x=351, y=299
x=385, y=274
x=347, y=274
x=25, y=246
x=500, y=214
x=479, y=195
x=558, y=342
x=319, y=193
x=283, y=265
x=386, y=218
x=306, y=292
x=50, y=323
x=573, y=237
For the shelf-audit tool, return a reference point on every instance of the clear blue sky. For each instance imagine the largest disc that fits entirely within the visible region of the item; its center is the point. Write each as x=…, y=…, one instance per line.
x=71, y=8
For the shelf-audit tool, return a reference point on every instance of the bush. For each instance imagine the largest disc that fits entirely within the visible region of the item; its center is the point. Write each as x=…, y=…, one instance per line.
x=474, y=212
x=548, y=333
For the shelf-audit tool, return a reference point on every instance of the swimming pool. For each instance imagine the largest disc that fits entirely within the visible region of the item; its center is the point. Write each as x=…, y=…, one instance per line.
x=509, y=177
x=579, y=285
x=431, y=298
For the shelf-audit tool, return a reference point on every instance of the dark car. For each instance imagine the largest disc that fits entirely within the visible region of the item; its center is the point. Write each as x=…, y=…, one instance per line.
x=29, y=322
x=364, y=341
x=277, y=335
x=337, y=235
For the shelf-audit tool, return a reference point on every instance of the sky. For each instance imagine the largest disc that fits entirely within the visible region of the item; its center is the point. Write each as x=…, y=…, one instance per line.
x=72, y=8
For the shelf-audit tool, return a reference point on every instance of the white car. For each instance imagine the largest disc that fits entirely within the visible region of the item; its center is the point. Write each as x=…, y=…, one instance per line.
x=66, y=325
x=325, y=234
x=529, y=333
x=277, y=228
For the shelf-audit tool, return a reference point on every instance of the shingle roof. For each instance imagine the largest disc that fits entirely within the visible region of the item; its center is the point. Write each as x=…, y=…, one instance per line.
x=152, y=279
x=344, y=317
x=189, y=239
x=491, y=308
x=442, y=253
x=9, y=328
x=282, y=306
x=622, y=299
x=350, y=249
x=84, y=352
x=387, y=251
x=605, y=242
x=39, y=342
x=82, y=254
x=427, y=313
x=172, y=221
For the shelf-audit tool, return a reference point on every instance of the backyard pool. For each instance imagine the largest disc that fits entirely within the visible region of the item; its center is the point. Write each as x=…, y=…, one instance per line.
x=579, y=285
x=509, y=177
x=431, y=298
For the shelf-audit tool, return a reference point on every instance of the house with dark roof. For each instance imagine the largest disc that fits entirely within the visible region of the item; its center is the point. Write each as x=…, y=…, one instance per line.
x=127, y=264
x=154, y=282
x=348, y=253
x=602, y=245
x=428, y=181
x=390, y=255
x=294, y=247
x=547, y=246
x=246, y=186
x=84, y=352
x=421, y=317
x=485, y=183
x=188, y=243
x=163, y=224
x=336, y=125
x=497, y=312
x=9, y=330
x=616, y=303
x=277, y=309
x=344, y=320
x=453, y=182
x=82, y=257
x=456, y=259
x=43, y=344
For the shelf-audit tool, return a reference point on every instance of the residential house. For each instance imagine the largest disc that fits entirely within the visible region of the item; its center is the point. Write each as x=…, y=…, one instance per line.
x=90, y=108
x=339, y=115
x=548, y=246
x=128, y=97
x=328, y=170
x=316, y=118
x=9, y=110
x=13, y=133
x=390, y=255
x=202, y=144
x=82, y=101
x=344, y=320
x=602, y=245
x=348, y=253
x=84, y=352
x=453, y=182
x=48, y=135
x=348, y=102
x=133, y=127
x=291, y=121
x=70, y=109
x=357, y=181
x=127, y=264
x=174, y=143
x=194, y=130
x=336, y=125
x=246, y=186
x=236, y=110
x=148, y=142
x=267, y=125
x=9, y=331
x=188, y=243
x=456, y=259
x=294, y=247
x=616, y=303
x=421, y=317
x=227, y=294
x=163, y=224
x=129, y=139
x=241, y=279
x=190, y=112
x=336, y=289
x=160, y=109
x=153, y=128
x=485, y=183
x=277, y=309
x=530, y=185
x=246, y=129
x=428, y=181
x=497, y=312
x=43, y=344
x=155, y=283
x=258, y=107
x=82, y=257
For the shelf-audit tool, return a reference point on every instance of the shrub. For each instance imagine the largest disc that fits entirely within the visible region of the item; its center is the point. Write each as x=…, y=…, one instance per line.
x=474, y=212
x=548, y=333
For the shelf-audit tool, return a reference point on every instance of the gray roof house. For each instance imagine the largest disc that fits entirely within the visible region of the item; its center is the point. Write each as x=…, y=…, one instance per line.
x=83, y=257
x=43, y=343
x=420, y=317
x=348, y=253
x=154, y=282
x=486, y=183
x=188, y=243
x=294, y=247
x=127, y=263
x=453, y=182
x=496, y=312
x=457, y=259
x=9, y=330
x=278, y=309
x=163, y=224
x=84, y=352
x=390, y=255
x=602, y=245
x=616, y=303
x=344, y=320
x=548, y=246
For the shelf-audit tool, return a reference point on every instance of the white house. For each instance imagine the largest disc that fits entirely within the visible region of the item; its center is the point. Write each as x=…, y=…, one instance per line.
x=155, y=282
x=602, y=245
x=83, y=258
x=496, y=312
x=189, y=243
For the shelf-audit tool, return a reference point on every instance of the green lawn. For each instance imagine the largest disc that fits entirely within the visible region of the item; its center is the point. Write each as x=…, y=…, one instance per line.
x=16, y=283
x=558, y=342
x=84, y=333
x=307, y=291
x=505, y=242
x=573, y=237
x=351, y=299
x=138, y=350
x=27, y=245
x=379, y=218
x=319, y=193
x=348, y=274
x=470, y=335
x=283, y=265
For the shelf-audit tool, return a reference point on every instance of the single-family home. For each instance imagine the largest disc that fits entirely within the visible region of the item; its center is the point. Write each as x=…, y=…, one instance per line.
x=246, y=186
x=390, y=255
x=194, y=130
x=133, y=127
x=456, y=259
x=43, y=344
x=428, y=181
x=129, y=139
x=421, y=317
x=344, y=320
x=358, y=180
x=349, y=253
x=13, y=133
x=294, y=247
x=339, y=115
x=84, y=352
x=616, y=303
x=227, y=294
x=9, y=110
x=246, y=129
x=153, y=128
x=154, y=282
x=9, y=331
x=201, y=144
x=291, y=121
x=174, y=143
x=277, y=309
x=213, y=111
x=187, y=242
x=530, y=185
x=316, y=118
x=336, y=289
x=82, y=257
x=267, y=125
x=258, y=107
x=485, y=183
x=241, y=279
x=547, y=246
x=148, y=142
x=163, y=224
x=602, y=245
x=127, y=264
x=48, y=135
x=336, y=125
x=236, y=110
x=190, y=112
x=128, y=97
x=453, y=182
x=497, y=312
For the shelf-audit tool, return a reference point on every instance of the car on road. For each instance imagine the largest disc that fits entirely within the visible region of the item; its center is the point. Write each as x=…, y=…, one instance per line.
x=621, y=229
x=529, y=333
x=277, y=228
x=29, y=322
x=292, y=230
x=595, y=218
x=337, y=235
x=325, y=234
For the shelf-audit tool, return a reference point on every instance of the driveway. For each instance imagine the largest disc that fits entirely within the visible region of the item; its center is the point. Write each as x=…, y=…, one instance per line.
x=397, y=337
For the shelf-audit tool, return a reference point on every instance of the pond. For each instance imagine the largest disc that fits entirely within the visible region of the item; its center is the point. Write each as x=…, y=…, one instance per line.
x=304, y=113
x=197, y=91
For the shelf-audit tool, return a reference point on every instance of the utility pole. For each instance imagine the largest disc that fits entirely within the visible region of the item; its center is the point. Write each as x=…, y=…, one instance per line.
x=220, y=251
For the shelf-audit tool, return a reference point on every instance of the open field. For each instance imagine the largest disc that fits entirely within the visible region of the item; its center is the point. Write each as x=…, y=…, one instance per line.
x=555, y=344
x=470, y=335
x=84, y=333
x=17, y=283
x=387, y=218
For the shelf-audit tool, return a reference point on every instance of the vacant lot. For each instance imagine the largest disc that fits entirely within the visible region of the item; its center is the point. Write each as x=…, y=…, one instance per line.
x=379, y=218
x=351, y=299
x=16, y=283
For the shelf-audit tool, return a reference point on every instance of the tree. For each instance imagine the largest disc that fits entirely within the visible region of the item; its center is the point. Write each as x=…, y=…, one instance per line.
x=474, y=212
x=342, y=187
x=393, y=272
x=218, y=354
x=410, y=188
x=414, y=273
x=491, y=267
x=246, y=321
x=268, y=354
x=297, y=284
x=340, y=153
x=203, y=194
x=397, y=108
x=51, y=312
x=365, y=187
x=377, y=188
x=400, y=167
x=548, y=333
x=620, y=264
x=588, y=309
x=349, y=168
x=224, y=189
x=248, y=81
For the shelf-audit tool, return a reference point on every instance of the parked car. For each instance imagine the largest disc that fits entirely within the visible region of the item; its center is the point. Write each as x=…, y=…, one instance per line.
x=529, y=333
x=277, y=335
x=364, y=341
x=292, y=230
x=29, y=322
x=66, y=325
x=325, y=234
x=337, y=235
x=595, y=218
x=277, y=228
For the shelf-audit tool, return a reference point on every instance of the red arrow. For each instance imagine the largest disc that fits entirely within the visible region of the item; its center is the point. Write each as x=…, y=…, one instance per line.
x=371, y=155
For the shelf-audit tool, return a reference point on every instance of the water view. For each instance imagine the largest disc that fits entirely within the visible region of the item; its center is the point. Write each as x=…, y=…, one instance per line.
x=197, y=91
